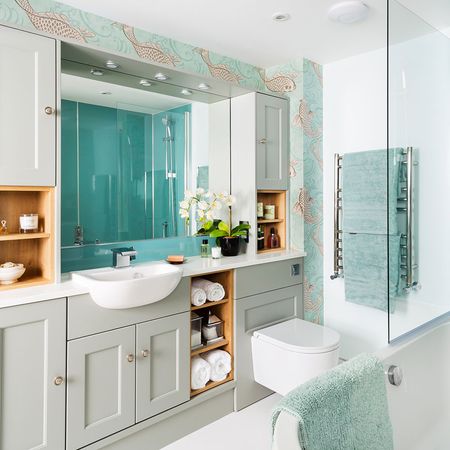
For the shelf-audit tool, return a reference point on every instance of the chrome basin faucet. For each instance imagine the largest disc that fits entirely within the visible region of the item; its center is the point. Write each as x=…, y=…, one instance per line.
x=123, y=256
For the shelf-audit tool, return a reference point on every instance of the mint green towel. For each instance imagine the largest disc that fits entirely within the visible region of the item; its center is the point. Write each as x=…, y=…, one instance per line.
x=365, y=180
x=367, y=274
x=342, y=409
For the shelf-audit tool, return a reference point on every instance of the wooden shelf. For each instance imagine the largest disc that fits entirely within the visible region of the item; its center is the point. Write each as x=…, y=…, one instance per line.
x=270, y=221
x=212, y=384
x=218, y=344
x=209, y=304
x=272, y=250
x=25, y=282
x=23, y=236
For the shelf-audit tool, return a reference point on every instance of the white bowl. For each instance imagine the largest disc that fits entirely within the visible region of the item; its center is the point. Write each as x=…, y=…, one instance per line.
x=11, y=274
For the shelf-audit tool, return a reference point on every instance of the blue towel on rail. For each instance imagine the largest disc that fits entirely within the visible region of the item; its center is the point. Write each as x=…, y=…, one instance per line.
x=367, y=273
x=367, y=178
x=343, y=409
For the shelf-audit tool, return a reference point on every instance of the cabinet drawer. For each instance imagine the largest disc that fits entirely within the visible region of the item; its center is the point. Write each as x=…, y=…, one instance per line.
x=85, y=317
x=268, y=277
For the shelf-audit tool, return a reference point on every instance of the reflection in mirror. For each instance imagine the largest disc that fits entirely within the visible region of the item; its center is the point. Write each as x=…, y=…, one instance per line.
x=129, y=154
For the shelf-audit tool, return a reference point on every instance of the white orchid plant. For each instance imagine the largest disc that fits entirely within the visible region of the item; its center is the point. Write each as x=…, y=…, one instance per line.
x=207, y=205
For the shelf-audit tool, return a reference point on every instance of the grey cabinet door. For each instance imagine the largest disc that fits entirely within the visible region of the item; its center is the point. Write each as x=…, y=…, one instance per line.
x=162, y=367
x=32, y=356
x=253, y=313
x=272, y=142
x=100, y=385
x=27, y=127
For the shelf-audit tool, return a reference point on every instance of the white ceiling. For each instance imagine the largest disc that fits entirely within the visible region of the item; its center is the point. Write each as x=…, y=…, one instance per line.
x=243, y=29
x=86, y=90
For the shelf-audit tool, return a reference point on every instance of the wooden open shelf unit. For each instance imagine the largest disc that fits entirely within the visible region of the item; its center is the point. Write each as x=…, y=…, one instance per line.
x=277, y=198
x=224, y=310
x=34, y=250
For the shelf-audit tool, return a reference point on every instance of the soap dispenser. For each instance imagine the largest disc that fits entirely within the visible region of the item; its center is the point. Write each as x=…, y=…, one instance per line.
x=274, y=239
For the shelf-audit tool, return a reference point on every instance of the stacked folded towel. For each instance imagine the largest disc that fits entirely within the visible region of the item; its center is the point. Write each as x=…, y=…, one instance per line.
x=214, y=365
x=220, y=362
x=198, y=296
x=214, y=291
x=200, y=372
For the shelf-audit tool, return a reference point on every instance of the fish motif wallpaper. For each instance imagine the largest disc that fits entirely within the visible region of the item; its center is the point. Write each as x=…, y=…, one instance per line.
x=300, y=80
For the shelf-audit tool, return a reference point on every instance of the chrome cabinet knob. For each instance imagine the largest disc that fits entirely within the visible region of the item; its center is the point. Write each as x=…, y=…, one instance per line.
x=262, y=141
x=145, y=353
x=130, y=357
x=57, y=381
x=48, y=110
x=395, y=375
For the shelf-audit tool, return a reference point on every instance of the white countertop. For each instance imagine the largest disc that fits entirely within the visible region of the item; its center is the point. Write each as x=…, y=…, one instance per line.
x=194, y=265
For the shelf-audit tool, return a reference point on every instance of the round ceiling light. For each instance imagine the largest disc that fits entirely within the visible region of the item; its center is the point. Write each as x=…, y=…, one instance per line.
x=204, y=86
x=348, y=12
x=281, y=17
x=145, y=83
x=97, y=72
x=161, y=76
x=186, y=91
x=111, y=64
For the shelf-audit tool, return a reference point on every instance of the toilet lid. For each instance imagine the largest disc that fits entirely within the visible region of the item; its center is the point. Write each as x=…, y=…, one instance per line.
x=300, y=336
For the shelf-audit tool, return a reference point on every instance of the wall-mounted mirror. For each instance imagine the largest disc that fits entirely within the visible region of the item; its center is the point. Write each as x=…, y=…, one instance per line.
x=129, y=151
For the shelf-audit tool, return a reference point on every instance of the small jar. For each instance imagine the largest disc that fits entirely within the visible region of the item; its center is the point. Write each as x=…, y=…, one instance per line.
x=260, y=210
x=216, y=252
x=29, y=223
x=269, y=212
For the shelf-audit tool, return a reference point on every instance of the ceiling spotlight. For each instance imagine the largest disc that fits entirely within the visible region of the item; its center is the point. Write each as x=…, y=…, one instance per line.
x=186, y=91
x=97, y=72
x=105, y=93
x=145, y=83
x=204, y=86
x=281, y=17
x=348, y=12
x=161, y=77
x=111, y=64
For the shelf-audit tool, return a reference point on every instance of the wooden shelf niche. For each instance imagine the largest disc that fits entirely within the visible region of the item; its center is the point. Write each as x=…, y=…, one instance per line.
x=224, y=310
x=277, y=198
x=34, y=250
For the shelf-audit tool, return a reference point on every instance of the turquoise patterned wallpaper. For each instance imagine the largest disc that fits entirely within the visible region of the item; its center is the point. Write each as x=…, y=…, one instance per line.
x=300, y=80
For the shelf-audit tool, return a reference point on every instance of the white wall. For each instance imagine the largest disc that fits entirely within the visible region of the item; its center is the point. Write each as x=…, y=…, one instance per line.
x=355, y=119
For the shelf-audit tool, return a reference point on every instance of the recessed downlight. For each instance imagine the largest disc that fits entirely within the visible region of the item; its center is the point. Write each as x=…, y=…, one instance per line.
x=97, y=72
x=105, y=93
x=348, y=12
x=185, y=91
x=161, y=76
x=110, y=64
x=281, y=16
x=145, y=83
x=204, y=86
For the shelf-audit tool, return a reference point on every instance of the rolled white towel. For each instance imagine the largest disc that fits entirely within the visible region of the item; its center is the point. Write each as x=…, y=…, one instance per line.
x=198, y=296
x=214, y=291
x=200, y=372
x=220, y=362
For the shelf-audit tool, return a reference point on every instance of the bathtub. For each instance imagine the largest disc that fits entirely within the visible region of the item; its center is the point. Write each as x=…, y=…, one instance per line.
x=419, y=407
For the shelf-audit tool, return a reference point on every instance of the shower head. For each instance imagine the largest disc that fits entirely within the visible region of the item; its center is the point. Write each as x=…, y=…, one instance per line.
x=166, y=122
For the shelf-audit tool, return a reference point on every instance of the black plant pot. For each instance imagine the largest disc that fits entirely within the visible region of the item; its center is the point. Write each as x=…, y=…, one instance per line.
x=230, y=245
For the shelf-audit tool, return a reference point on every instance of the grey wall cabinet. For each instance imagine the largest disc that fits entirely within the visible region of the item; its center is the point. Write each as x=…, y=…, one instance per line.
x=120, y=377
x=162, y=366
x=100, y=386
x=272, y=142
x=32, y=375
x=28, y=109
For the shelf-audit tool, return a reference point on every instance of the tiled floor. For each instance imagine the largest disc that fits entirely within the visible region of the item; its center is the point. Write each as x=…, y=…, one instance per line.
x=244, y=430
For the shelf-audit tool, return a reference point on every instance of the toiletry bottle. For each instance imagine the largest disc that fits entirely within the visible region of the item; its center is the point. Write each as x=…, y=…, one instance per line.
x=204, y=249
x=274, y=239
x=260, y=238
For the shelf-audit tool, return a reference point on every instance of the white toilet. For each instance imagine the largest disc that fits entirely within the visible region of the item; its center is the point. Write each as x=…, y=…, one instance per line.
x=289, y=353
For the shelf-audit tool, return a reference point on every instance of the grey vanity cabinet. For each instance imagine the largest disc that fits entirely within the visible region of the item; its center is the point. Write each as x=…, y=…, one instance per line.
x=162, y=365
x=100, y=385
x=27, y=113
x=32, y=376
x=272, y=142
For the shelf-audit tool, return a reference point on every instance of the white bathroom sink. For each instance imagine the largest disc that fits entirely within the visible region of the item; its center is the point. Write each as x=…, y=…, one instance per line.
x=130, y=287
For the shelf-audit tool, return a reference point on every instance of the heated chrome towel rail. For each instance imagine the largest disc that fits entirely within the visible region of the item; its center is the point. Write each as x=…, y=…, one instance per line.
x=337, y=234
